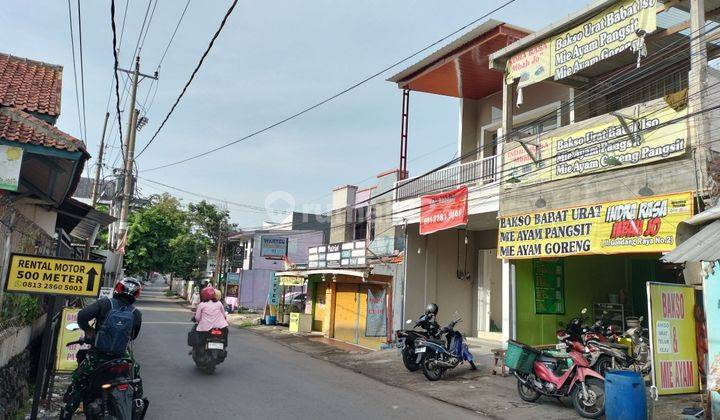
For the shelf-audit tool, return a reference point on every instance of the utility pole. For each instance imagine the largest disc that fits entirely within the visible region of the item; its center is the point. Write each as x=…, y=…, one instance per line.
x=130, y=151
x=98, y=167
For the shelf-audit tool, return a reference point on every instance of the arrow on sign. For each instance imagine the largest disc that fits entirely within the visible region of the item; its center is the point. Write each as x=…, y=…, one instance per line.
x=91, y=279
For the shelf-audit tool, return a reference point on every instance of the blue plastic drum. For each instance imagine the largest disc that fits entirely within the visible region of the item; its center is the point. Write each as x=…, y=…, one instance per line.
x=270, y=320
x=625, y=396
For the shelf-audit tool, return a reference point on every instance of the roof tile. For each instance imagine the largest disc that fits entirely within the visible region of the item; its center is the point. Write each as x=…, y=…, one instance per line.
x=21, y=127
x=30, y=85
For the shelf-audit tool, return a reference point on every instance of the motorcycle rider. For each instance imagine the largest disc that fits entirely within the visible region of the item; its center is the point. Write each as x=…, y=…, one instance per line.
x=125, y=293
x=210, y=313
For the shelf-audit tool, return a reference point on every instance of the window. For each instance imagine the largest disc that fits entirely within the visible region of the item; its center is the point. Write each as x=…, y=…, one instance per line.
x=361, y=223
x=642, y=91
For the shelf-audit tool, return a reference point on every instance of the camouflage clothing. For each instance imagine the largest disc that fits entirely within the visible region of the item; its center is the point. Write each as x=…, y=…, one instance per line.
x=80, y=377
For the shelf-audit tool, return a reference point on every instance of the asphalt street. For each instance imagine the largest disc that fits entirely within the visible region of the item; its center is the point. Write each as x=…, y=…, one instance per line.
x=260, y=379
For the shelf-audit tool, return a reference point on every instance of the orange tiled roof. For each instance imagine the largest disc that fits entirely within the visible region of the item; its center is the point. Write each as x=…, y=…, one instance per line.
x=21, y=127
x=29, y=85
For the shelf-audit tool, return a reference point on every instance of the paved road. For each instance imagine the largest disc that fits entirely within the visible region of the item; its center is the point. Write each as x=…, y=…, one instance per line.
x=260, y=379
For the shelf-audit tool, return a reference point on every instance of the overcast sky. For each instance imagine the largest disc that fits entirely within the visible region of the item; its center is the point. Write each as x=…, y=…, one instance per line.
x=272, y=59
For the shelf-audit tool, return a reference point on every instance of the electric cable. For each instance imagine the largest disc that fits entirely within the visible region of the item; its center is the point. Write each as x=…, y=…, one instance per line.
x=77, y=95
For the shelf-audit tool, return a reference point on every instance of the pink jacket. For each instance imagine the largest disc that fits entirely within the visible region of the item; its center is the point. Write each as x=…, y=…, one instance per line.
x=210, y=315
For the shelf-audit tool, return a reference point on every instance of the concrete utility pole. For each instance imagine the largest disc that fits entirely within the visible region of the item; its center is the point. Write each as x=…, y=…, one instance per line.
x=98, y=165
x=697, y=83
x=130, y=151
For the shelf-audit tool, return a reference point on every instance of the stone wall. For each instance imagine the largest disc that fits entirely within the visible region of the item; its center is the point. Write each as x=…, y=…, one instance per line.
x=14, y=384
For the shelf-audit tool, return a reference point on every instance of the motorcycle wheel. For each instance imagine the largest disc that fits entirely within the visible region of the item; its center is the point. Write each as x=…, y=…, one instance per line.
x=526, y=392
x=432, y=373
x=208, y=368
x=410, y=359
x=594, y=406
x=603, y=364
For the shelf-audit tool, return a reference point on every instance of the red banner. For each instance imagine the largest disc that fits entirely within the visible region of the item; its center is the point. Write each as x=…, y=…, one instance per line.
x=443, y=211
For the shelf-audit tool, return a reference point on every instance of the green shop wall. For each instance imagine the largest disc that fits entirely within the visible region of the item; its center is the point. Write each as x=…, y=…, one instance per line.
x=588, y=279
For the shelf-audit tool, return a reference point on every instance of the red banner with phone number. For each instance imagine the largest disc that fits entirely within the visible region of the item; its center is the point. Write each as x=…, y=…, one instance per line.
x=443, y=211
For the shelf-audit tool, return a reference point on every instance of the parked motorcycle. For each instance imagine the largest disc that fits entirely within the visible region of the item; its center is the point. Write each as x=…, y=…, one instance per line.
x=111, y=388
x=406, y=340
x=540, y=373
x=208, y=348
x=618, y=356
x=439, y=356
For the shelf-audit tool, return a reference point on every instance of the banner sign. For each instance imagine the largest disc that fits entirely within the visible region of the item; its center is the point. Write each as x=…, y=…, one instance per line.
x=274, y=291
x=443, y=211
x=232, y=291
x=588, y=146
x=66, y=359
x=711, y=295
x=672, y=338
x=292, y=281
x=273, y=247
x=376, y=320
x=53, y=276
x=11, y=158
x=345, y=254
x=617, y=28
x=645, y=224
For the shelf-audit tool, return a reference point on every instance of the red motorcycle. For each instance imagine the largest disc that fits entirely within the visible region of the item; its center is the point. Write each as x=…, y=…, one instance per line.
x=540, y=373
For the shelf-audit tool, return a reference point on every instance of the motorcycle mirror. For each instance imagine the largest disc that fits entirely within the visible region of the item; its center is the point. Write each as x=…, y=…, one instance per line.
x=641, y=319
x=584, y=311
x=73, y=326
x=409, y=321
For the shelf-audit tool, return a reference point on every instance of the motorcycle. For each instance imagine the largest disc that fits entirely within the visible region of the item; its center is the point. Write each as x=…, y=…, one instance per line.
x=406, y=340
x=438, y=357
x=208, y=348
x=634, y=357
x=111, y=387
x=557, y=377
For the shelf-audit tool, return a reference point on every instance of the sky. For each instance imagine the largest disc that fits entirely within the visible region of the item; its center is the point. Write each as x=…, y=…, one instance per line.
x=272, y=59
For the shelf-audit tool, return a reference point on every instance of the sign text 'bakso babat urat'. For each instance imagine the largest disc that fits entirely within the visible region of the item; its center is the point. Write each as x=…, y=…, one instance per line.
x=644, y=224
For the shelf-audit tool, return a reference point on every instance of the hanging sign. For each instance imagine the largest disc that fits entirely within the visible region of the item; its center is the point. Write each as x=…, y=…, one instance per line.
x=233, y=278
x=658, y=132
x=376, y=317
x=672, y=338
x=617, y=28
x=292, y=281
x=644, y=224
x=53, y=276
x=443, y=211
x=11, y=158
x=548, y=275
x=66, y=360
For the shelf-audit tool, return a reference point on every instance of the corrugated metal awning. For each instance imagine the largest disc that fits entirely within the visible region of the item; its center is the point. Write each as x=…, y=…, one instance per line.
x=697, y=242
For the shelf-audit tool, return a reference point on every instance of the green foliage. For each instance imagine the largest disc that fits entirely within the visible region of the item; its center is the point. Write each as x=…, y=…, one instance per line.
x=102, y=237
x=165, y=237
x=23, y=306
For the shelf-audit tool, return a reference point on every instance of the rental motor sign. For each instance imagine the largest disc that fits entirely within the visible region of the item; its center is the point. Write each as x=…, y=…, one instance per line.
x=53, y=276
x=672, y=338
x=443, y=211
x=644, y=224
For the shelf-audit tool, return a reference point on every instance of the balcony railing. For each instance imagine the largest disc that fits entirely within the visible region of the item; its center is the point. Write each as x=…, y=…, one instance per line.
x=482, y=172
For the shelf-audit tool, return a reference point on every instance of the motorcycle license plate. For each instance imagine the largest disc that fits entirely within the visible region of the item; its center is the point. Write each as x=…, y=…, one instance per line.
x=420, y=350
x=401, y=343
x=215, y=346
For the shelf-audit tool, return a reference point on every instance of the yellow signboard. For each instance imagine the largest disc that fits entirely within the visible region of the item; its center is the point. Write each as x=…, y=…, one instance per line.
x=616, y=29
x=66, y=360
x=291, y=281
x=645, y=224
x=53, y=276
x=672, y=334
x=657, y=132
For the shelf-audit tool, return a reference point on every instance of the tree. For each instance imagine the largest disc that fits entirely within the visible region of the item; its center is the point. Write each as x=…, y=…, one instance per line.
x=212, y=222
x=150, y=232
x=189, y=255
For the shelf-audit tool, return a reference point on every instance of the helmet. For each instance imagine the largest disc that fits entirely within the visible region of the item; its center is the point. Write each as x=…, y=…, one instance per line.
x=431, y=309
x=208, y=293
x=128, y=288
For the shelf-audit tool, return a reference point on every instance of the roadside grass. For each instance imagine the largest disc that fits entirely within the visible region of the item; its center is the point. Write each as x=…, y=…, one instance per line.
x=169, y=293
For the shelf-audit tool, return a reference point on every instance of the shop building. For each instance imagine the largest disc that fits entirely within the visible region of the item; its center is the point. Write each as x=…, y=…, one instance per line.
x=588, y=207
x=457, y=267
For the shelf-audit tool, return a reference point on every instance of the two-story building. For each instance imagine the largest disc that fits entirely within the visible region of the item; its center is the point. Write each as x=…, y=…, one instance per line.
x=590, y=203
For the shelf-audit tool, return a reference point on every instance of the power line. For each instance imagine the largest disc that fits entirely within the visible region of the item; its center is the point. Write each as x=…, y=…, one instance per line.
x=192, y=76
x=342, y=92
x=77, y=96
x=172, y=37
x=82, y=73
x=115, y=70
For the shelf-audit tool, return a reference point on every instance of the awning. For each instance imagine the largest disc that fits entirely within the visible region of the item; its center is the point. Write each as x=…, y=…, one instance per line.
x=697, y=238
x=81, y=220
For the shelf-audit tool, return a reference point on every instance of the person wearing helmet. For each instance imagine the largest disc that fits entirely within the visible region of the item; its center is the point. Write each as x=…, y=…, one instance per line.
x=210, y=313
x=125, y=293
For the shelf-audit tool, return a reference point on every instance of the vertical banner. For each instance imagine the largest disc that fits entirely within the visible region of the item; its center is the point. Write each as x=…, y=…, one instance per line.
x=711, y=295
x=11, y=158
x=66, y=360
x=443, y=211
x=672, y=338
x=376, y=321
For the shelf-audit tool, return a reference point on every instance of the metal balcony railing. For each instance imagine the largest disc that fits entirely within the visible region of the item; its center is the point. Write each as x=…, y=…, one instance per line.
x=481, y=172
